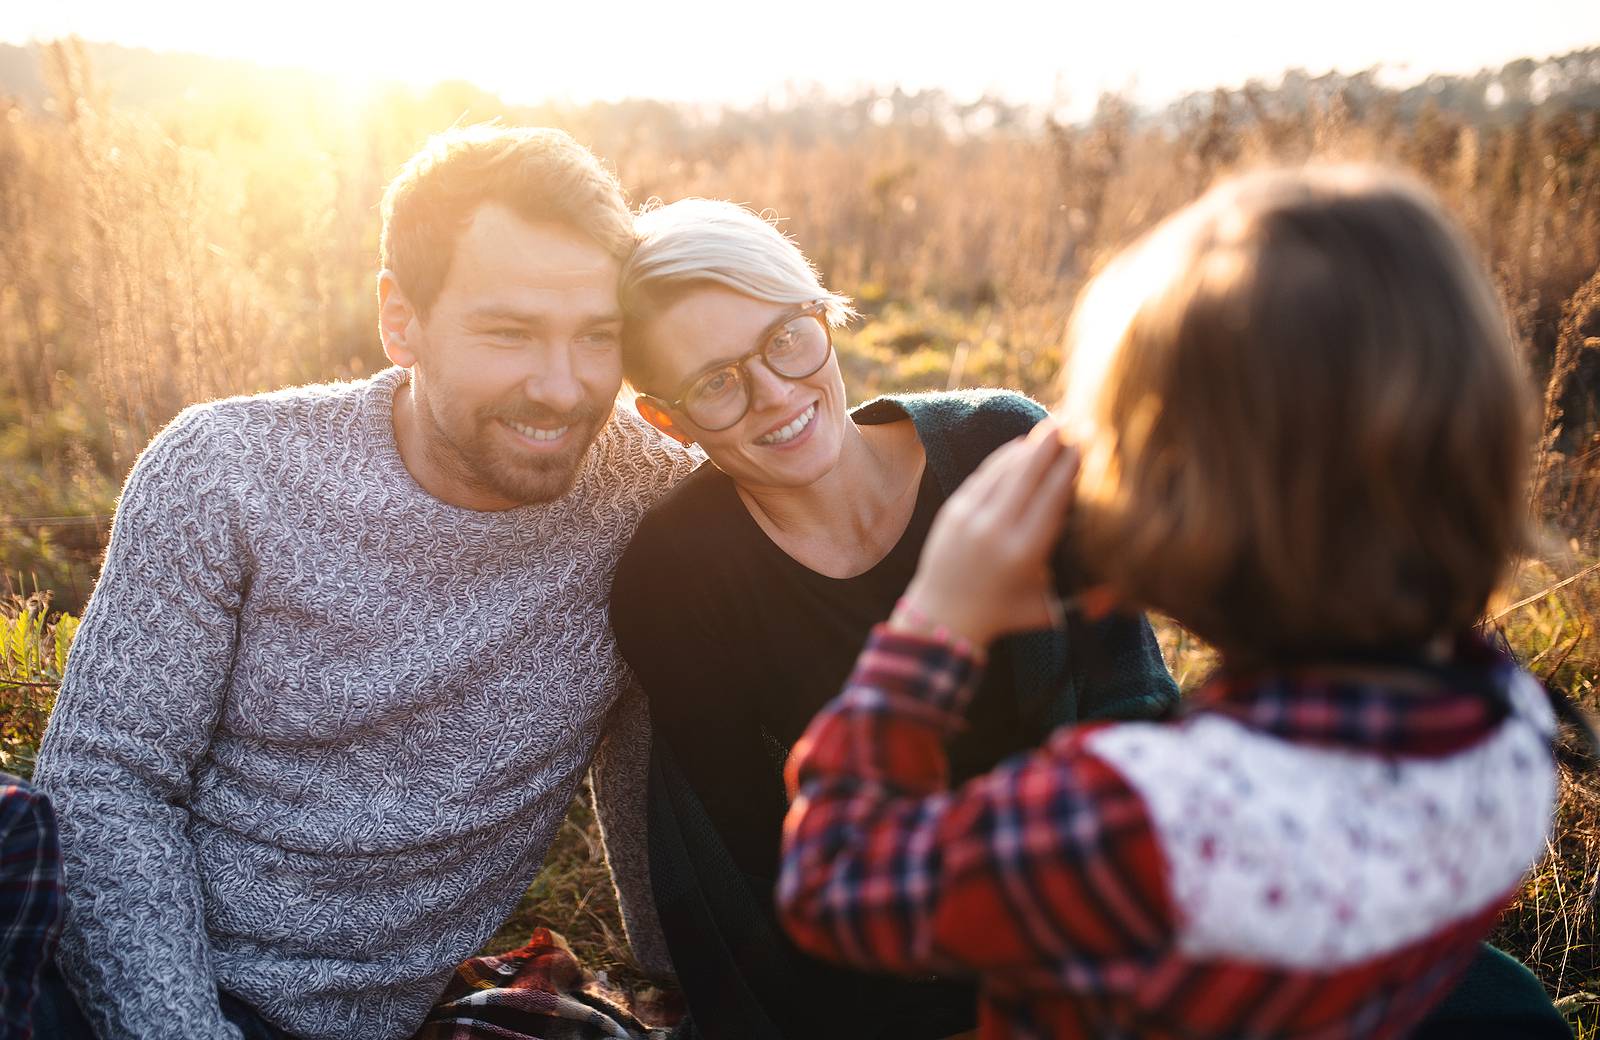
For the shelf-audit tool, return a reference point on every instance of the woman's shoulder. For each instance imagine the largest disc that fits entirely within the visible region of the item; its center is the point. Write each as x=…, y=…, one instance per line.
x=957, y=412
x=958, y=428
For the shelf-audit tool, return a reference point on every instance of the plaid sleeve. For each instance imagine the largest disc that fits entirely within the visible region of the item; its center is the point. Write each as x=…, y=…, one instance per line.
x=1046, y=866
x=30, y=897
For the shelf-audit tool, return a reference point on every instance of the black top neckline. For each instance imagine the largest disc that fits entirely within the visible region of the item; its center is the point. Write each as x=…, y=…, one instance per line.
x=910, y=539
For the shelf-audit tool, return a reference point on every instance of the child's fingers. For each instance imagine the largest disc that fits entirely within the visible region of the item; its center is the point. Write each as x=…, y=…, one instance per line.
x=1027, y=471
x=1046, y=509
x=1097, y=602
x=993, y=506
x=1035, y=523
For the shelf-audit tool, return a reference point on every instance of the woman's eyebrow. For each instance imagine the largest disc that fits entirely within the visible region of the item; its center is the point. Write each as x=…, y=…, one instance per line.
x=760, y=341
x=706, y=369
x=777, y=323
x=728, y=362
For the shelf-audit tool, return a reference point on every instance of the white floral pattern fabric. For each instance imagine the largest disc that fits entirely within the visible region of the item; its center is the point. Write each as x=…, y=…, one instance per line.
x=1310, y=857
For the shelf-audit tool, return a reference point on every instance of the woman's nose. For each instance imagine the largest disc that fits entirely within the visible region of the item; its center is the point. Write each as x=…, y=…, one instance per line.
x=766, y=386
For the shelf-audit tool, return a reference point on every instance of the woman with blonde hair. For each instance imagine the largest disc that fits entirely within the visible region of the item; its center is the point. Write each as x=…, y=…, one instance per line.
x=747, y=593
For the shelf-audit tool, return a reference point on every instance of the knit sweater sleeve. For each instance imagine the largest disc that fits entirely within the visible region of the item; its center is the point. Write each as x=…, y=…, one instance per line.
x=143, y=692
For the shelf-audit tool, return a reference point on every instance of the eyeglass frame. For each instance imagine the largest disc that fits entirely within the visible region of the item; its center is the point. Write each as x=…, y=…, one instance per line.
x=817, y=309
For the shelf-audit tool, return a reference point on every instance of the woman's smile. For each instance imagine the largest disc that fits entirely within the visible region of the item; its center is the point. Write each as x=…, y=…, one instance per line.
x=789, y=432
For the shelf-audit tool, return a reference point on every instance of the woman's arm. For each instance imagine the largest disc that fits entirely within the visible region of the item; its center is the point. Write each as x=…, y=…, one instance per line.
x=701, y=703
x=715, y=798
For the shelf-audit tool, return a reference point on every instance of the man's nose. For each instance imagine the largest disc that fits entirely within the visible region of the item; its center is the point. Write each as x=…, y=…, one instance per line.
x=552, y=381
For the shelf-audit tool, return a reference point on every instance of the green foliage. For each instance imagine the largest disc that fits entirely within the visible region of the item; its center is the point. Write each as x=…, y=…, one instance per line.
x=34, y=645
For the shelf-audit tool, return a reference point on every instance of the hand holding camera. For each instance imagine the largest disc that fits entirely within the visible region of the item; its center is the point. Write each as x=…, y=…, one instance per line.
x=987, y=569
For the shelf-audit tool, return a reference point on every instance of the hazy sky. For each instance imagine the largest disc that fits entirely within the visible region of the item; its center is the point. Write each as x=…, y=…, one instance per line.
x=724, y=51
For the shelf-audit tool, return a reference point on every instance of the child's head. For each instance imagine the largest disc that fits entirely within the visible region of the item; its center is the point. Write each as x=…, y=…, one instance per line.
x=1304, y=425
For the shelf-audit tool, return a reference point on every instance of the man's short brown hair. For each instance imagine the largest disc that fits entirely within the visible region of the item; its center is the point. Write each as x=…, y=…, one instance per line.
x=1304, y=423
x=542, y=175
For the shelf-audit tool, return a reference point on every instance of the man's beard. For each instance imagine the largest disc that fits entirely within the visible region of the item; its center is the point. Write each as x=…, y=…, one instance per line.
x=478, y=457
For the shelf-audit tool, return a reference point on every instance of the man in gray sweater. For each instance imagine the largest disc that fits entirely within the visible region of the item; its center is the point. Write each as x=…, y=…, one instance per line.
x=348, y=657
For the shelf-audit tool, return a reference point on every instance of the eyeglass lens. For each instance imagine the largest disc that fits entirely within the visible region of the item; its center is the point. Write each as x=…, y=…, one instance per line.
x=720, y=398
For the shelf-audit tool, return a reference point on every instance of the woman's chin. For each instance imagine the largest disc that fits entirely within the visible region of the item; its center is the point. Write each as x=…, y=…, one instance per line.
x=794, y=464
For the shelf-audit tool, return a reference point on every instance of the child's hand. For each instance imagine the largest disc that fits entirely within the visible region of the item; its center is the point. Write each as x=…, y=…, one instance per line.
x=985, y=568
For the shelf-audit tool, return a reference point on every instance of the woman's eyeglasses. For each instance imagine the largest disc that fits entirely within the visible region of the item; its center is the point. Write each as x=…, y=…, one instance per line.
x=794, y=348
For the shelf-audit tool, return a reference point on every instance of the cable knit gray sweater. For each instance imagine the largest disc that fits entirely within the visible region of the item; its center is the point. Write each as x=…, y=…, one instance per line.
x=318, y=727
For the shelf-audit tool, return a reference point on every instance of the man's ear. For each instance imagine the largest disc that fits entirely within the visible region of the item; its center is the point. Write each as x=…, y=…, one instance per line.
x=657, y=414
x=397, y=322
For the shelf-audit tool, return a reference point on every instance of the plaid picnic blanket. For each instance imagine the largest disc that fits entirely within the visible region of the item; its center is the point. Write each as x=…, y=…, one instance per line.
x=536, y=992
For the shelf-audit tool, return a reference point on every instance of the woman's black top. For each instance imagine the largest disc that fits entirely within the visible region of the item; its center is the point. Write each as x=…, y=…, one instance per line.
x=737, y=645
x=756, y=644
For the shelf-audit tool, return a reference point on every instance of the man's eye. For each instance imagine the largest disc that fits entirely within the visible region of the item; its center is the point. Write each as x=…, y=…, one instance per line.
x=508, y=334
x=600, y=338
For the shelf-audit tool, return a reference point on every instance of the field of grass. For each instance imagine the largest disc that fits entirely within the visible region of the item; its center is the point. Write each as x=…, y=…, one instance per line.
x=172, y=250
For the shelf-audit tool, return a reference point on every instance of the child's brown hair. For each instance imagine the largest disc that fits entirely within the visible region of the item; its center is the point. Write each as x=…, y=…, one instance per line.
x=1305, y=428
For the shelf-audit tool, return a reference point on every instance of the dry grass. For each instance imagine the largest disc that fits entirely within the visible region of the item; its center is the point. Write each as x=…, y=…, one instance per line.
x=154, y=256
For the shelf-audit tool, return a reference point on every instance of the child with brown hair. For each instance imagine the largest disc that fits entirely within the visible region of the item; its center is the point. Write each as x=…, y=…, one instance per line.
x=1297, y=426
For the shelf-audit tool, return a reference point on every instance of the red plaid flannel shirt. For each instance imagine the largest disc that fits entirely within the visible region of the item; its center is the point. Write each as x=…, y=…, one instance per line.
x=1049, y=877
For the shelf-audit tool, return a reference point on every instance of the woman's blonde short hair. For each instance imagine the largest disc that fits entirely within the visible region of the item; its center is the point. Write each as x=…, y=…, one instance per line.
x=694, y=242
x=1305, y=428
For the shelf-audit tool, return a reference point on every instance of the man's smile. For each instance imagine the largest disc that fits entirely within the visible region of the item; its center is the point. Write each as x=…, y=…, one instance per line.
x=544, y=437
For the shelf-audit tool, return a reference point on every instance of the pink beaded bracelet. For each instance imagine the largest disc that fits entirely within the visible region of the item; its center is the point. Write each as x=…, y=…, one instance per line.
x=907, y=618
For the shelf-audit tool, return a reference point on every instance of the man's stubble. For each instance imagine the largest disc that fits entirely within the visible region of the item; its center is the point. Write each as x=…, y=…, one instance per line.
x=472, y=455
